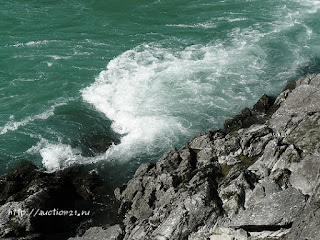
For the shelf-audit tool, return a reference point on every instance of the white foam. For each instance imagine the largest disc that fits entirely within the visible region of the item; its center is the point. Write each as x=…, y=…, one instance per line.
x=313, y=6
x=207, y=25
x=237, y=19
x=33, y=43
x=55, y=57
x=58, y=156
x=154, y=95
x=22, y=80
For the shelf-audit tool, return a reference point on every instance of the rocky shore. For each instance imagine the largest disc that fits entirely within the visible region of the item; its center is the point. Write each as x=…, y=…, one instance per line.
x=258, y=178
x=38, y=205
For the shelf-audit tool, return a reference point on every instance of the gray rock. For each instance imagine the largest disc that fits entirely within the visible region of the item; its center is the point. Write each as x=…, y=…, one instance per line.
x=307, y=224
x=303, y=100
x=262, y=167
x=224, y=146
x=243, y=119
x=305, y=174
x=254, y=139
x=305, y=132
x=15, y=214
x=250, y=181
x=203, y=140
x=232, y=189
x=219, y=233
x=275, y=209
x=98, y=233
x=206, y=157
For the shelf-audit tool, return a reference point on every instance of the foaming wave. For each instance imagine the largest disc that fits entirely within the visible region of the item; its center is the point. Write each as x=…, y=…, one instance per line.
x=312, y=5
x=237, y=19
x=153, y=94
x=57, y=156
x=157, y=96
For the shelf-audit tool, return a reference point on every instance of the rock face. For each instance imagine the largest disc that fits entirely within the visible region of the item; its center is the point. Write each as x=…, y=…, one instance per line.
x=256, y=179
x=98, y=233
x=39, y=205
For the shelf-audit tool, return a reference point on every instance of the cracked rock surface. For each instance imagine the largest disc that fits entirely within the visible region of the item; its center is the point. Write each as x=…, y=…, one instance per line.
x=258, y=178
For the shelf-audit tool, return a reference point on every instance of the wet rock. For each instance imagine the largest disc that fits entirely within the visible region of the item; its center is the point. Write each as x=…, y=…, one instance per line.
x=47, y=205
x=12, y=186
x=260, y=113
x=263, y=104
x=243, y=119
x=95, y=143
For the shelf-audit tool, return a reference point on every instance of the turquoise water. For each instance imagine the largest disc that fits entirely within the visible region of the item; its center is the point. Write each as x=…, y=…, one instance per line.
x=149, y=73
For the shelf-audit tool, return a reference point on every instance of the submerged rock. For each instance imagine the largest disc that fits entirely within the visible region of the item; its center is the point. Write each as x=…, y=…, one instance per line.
x=95, y=143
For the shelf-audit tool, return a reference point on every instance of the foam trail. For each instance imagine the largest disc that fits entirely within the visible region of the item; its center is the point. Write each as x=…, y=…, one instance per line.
x=13, y=125
x=206, y=25
x=34, y=43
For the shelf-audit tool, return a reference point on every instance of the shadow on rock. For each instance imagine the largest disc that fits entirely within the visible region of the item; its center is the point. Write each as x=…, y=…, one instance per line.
x=39, y=205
